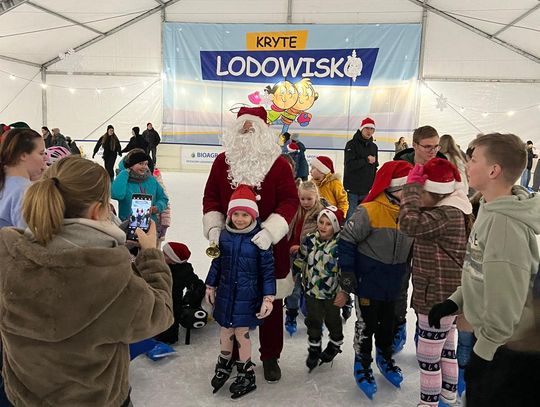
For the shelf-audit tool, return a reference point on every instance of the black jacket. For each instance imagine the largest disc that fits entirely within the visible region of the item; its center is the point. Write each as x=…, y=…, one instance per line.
x=359, y=174
x=152, y=138
x=110, y=148
x=530, y=156
x=137, y=141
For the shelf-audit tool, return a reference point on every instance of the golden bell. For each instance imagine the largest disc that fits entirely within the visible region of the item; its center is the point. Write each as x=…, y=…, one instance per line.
x=213, y=251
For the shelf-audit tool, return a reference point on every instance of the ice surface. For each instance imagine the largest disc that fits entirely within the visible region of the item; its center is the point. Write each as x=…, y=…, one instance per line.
x=184, y=380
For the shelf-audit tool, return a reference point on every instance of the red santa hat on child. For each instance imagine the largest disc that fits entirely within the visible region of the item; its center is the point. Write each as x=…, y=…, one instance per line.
x=293, y=148
x=442, y=176
x=177, y=252
x=393, y=174
x=335, y=215
x=252, y=113
x=243, y=199
x=323, y=164
x=367, y=122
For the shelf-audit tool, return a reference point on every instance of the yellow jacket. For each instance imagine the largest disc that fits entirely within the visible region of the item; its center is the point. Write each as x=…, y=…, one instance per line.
x=331, y=189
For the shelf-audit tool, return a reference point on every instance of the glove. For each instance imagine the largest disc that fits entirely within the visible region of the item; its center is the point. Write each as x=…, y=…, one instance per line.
x=348, y=281
x=266, y=308
x=417, y=175
x=213, y=235
x=476, y=367
x=304, y=119
x=255, y=98
x=263, y=239
x=210, y=295
x=441, y=310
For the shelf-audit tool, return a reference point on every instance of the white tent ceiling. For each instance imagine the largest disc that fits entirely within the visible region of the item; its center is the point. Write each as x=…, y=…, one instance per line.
x=470, y=48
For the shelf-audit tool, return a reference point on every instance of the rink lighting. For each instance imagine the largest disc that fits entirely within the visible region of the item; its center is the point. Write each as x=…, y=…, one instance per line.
x=510, y=113
x=44, y=85
x=98, y=91
x=72, y=90
x=12, y=77
x=485, y=114
x=461, y=109
x=122, y=88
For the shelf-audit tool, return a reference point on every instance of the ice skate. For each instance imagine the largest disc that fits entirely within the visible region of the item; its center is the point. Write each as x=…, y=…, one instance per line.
x=290, y=321
x=222, y=373
x=314, y=353
x=331, y=351
x=244, y=382
x=400, y=338
x=389, y=370
x=364, y=375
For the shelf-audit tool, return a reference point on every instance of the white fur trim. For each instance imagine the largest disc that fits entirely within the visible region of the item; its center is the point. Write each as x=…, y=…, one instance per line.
x=251, y=118
x=440, y=187
x=320, y=166
x=211, y=220
x=277, y=226
x=333, y=218
x=284, y=286
x=368, y=125
x=167, y=249
x=459, y=200
x=247, y=203
x=398, y=182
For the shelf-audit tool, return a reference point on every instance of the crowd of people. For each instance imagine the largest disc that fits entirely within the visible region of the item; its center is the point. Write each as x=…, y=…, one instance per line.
x=283, y=241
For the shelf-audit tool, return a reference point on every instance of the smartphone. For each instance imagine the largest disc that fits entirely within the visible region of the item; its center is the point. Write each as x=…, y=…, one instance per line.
x=141, y=215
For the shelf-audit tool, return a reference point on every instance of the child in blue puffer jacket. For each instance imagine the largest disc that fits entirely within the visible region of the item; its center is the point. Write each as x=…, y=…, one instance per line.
x=136, y=178
x=241, y=286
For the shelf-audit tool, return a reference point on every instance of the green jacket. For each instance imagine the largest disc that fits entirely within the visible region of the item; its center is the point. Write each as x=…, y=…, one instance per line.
x=499, y=269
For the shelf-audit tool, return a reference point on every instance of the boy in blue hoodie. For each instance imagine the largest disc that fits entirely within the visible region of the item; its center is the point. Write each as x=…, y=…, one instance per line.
x=373, y=257
x=241, y=287
x=500, y=265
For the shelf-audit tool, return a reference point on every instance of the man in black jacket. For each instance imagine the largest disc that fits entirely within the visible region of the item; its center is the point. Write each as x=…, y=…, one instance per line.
x=152, y=138
x=526, y=177
x=361, y=162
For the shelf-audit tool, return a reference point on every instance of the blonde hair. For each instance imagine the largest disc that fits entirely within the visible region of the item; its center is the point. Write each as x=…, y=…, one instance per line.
x=450, y=149
x=309, y=186
x=66, y=190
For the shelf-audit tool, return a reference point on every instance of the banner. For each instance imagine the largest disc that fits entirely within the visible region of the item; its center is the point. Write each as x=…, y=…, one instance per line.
x=317, y=81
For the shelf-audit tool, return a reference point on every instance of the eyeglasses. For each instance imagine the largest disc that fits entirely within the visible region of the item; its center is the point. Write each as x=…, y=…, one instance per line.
x=430, y=148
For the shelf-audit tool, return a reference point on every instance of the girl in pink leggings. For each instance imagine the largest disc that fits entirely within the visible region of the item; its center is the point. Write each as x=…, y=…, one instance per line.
x=436, y=212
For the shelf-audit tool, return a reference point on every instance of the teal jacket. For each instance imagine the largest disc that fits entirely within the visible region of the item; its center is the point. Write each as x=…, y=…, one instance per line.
x=123, y=189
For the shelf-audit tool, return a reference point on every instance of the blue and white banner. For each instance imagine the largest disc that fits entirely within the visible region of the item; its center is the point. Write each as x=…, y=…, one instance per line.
x=318, y=81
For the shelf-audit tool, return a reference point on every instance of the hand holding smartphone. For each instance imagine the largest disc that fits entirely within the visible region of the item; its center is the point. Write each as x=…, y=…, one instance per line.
x=141, y=213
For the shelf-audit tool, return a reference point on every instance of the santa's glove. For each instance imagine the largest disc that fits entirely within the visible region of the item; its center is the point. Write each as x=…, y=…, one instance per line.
x=263, y=239
x=213, y=235
x=210, y=295
x=441, y=310
x=266, y=307
x=417, y=176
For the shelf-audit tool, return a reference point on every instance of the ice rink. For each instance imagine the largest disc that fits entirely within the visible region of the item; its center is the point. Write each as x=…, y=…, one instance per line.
x=184, y=380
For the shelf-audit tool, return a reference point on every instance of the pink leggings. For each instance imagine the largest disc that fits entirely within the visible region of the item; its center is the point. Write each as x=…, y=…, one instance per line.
x=436, y=354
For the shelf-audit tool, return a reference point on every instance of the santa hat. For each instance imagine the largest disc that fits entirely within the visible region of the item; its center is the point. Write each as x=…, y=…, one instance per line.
x=323, y=164
x=392, y=175
x=252, y=113
x=367, y=122
x=293, y=148
x=177, y=252
x=335, y=215
x=243, y=199
x=442, y=176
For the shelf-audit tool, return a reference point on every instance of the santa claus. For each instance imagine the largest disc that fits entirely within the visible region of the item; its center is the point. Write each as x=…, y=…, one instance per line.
x=252, y=157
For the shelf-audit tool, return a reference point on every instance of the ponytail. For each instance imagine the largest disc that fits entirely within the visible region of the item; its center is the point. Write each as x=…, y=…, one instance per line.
x=66, y=190
x=43, y=209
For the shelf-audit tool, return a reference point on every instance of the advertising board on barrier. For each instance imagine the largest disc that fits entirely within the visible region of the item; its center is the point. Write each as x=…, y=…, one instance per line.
x=198, y=156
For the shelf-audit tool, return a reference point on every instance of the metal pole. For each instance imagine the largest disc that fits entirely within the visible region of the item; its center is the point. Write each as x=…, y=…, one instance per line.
x=289, y=11
x=481, y=80
x=421, y=64
x=163, y=20
x=44, y=96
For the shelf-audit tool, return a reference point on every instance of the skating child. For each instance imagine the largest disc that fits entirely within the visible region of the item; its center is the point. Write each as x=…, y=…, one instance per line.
x=497, y=281
x=137, y=179
x=317, y=265
x=373, y=257
x=304, y=222
x=241, y=287
x=186, y=306
x=330, y=186
x=436, y=212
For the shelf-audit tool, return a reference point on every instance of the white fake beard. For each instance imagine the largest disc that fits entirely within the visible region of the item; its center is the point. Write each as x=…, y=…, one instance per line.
x=249, y=156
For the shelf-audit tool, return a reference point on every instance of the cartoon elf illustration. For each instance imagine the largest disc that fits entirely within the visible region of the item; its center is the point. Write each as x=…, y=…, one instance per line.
x=306, y=98
x=284, y=95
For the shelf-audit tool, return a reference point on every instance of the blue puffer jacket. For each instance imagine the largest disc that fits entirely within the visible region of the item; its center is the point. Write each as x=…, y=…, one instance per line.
x=243, y=275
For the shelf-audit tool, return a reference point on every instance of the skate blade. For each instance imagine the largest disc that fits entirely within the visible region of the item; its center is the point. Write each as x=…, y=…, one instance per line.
x=236, y=396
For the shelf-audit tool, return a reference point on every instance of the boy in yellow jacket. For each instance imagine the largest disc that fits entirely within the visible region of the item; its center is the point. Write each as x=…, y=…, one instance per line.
x=329, y=184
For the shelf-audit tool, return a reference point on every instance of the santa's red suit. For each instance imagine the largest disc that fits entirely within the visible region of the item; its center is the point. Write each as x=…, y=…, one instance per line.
x=277, y=205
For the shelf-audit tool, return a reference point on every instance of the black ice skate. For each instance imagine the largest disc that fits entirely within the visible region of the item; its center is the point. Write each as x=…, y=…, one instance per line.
x=245, y=380
x=331, y=351
x=222, y=373
x=314, y=353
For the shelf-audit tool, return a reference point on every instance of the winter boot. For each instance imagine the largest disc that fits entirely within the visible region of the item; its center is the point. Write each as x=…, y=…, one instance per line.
x=364, y=375
x=389, y=370
x=272, y=372
x=245, y=380
x=346, y=310
x=290, y=321
x=400, y=337
x=222, y=373
x=314, y=353
x=332, y=349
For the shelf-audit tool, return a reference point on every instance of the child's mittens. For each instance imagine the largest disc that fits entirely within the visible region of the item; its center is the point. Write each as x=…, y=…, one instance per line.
x=210, y=295
x=266, y=308
x=263, y=239
x=417, y=176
